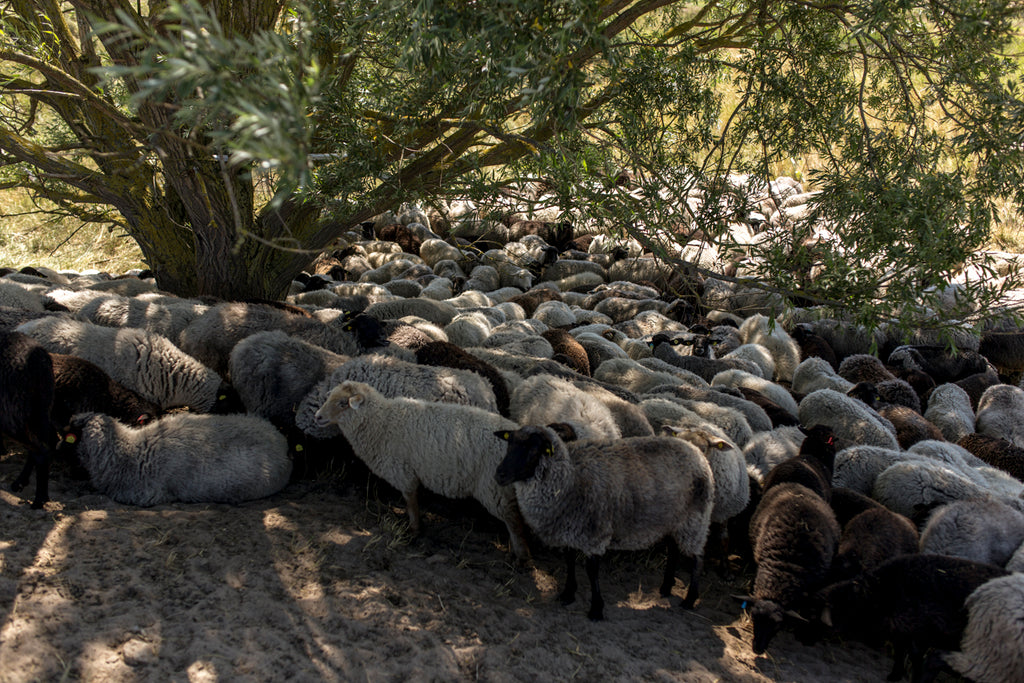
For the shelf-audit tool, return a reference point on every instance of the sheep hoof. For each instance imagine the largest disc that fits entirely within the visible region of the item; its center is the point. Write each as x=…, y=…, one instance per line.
x=566, y=599
x=38, y=504
x=596, y=614
x=18, y=484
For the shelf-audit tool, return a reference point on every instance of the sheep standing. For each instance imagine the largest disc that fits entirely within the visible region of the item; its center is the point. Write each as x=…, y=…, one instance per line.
x=182, y=457
x=596, y=495
x=450, y=449
x=26, y=402
x=543, y=399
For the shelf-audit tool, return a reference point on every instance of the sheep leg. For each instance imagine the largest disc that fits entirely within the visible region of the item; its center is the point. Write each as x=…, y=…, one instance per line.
x=568, y=594
x=596, y=612
x=23, y=477
x=40, y=461
x=899, y=661
x=517, y=534
x=671, y=562
x=693, y=590
x=412, y=508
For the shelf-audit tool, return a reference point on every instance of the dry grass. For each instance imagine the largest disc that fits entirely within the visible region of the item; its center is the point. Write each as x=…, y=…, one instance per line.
x=28, y=238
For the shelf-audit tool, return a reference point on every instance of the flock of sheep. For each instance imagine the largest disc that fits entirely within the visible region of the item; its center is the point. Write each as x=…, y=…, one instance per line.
x=558, y=380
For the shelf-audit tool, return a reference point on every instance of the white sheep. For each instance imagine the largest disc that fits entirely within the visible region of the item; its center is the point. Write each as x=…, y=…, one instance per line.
x=999, y=413
x=728, y=467
x=853, y=422
x=758, y=329
x=767, y=388
x=447, y=448
x=857, y=467
x=182, y=457
x=767, y=449
x=816, y=373
x=543, y=399
x=910, y=486
x=595, y=495
x=992, y=648
x=949, y=409
x=146, y=363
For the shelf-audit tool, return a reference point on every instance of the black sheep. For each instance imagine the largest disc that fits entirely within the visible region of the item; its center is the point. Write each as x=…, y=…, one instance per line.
x=996, y=452
x=83, y=387
x=564, y=344
x=871, y=538
x=916, y=602
x=812, y=466
x=910, y=425
x=779, y=416
x=813, y=345
x=26, y=403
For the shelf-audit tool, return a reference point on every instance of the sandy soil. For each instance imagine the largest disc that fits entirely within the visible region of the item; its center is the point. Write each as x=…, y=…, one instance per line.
x=322, y=582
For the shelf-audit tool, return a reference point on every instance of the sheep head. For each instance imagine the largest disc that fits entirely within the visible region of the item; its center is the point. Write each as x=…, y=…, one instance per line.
x=526, y=447
x=345, y=396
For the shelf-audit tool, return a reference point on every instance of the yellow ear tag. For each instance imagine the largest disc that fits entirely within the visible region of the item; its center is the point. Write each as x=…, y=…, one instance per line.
x=70, y=438
x=298, y=448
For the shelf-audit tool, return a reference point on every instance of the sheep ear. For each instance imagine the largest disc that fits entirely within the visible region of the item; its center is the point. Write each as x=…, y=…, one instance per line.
x=356, y=401
x=796, y=616
x=826, y=617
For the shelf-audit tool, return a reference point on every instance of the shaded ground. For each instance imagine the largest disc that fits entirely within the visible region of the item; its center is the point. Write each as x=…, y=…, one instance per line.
x=321, y=582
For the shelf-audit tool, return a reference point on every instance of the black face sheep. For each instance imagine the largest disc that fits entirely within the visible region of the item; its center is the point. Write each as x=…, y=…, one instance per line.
x=996, y=452
x=595, y=495
x=795, y=535
x=813, y=345
x=26, y=403
x=182, y=457
x=992, y=648
x=938, y=362
x=449, y=449
x=916, y=602
x=83, y=387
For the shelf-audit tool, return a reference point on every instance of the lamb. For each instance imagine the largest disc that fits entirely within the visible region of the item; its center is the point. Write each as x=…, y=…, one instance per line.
x=978, y=529
x=795, y=535
x=992, y=647
x=446, y=354
x=543, y=399
x=275, y=371
x=448, y=448
x=999, y=412
x=996, y=452
x=914, y=601
x=949, y=409
x=852, y=421
x=83, y=387
x=871, y=538
x=182, y=457
x=26, y=402
x=592, y=496
x=144, y=362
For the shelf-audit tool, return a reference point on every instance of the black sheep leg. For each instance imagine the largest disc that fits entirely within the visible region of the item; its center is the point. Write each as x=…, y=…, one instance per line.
x=671, y=562
x=596, y=612
x=693, y=590
x=899, y=661
x=568, y=594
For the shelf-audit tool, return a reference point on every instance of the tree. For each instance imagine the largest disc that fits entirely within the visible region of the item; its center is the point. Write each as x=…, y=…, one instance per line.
x=161, y=116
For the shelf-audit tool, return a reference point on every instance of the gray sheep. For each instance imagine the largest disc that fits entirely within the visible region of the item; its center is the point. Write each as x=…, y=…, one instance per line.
x=758, y=329
x=543, y=399
x=592, y=496
x=949, y=409
x=977, y=529
x=146, y=363
x=852, y=421
x=999, y=413
x=182, y=457
x=992, y=647
x=447, y=448
x=767, y=388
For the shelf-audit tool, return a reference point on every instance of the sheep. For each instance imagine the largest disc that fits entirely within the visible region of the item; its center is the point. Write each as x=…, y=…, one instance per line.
x=568, y=347
x=915, y=601
x=857, y=467
x=852, y=421
x=871, y=538
x=813, y=345
x=911, y=426
x=447, y=448
x=776, y=414
x=728, y=468
x=1016, y=563
x=633, y=376
x=949, y=409
x=705, y=368
x=976, y=384
x=997, y=482
x=757, y=354
x=992, y=647
x=757, y=329
x=394, y=377
x=999, y=413
x=794, y=535
x=446, y=354
x=543, y=399
x=996, y=452
x=596, y=495
x=275, y=371
x=847, y=504
x=814, y=374
x=811, y=466
x=146, y=312
x=26, y=403
x=146, y=363
x=83, y=387
x=182, y=458
x=978, y=529
x=754, y=414
x=911, y=487
x=767, y=449
x=769, y=389
x=938, y=362
x=628, y=416
x=599, y=349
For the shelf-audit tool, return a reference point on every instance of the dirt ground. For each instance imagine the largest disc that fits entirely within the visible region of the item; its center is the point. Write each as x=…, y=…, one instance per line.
x=323, y=583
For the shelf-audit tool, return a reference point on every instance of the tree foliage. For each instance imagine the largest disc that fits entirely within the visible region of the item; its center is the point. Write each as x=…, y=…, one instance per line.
x=165, y=119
